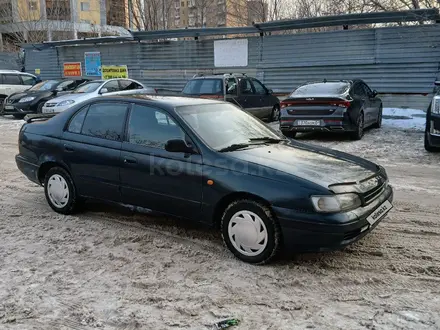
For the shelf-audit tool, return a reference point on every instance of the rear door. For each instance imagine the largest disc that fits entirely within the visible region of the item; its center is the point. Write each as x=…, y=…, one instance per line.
x=247, y=98
x=374, y=104
x=92, y=149
x=11, y=83
x=152, y=177
x=360, y=94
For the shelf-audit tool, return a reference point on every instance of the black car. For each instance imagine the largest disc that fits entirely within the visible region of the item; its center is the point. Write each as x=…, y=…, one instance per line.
x=334, y=106
x=33, y=99
x=246, y=92
x=432, y=127
x=209, y=161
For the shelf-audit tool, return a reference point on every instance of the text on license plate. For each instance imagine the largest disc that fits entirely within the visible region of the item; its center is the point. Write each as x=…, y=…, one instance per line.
x=380, y=212
x=9, y=107
x=48, y=110
x=308, y=123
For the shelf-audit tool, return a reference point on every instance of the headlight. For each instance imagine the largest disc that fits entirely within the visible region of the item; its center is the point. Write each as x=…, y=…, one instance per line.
x=336, y=203
x=26, y=99
x=435, y=106
x=66, y=102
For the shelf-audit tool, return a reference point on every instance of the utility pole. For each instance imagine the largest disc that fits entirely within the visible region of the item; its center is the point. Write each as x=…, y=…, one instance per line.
x=163, y=14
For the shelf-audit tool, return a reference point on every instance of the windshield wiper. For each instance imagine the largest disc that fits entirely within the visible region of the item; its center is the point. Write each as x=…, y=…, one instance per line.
x=235, y=146
x=266, y=139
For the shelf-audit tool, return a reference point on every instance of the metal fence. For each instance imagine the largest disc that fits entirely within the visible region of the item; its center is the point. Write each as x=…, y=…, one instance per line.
x=402, y=63
x=9, y=61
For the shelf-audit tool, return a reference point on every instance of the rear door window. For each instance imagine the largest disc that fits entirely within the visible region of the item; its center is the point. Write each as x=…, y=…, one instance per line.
x=77, y=121
x=231, y=86
x=126, y=85
x=28, y=80
x=112, y=86
x=358, y=90
x=246, y=87
x=204, y=86
x=11, y=79
x=105, y=121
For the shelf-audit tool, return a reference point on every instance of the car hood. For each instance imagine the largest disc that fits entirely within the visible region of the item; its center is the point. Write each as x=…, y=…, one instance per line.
x=76, y=97
x=322, y=166
x=20, y=95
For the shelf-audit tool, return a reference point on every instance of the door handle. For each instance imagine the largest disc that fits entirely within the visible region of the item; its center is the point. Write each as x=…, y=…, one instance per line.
x=68, y=148
x=130, y=160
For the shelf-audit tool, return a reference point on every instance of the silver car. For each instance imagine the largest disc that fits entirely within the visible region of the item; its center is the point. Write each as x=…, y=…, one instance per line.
x=95, y=88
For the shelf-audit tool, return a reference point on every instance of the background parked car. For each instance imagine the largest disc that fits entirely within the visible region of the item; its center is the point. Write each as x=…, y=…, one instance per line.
x=246, y=92
x=335, y=106
x=432, y=127
x=13, y=81
x=33, y=99
x=93, y=89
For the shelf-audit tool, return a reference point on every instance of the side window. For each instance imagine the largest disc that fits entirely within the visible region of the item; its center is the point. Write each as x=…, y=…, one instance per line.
x=112, y=86
x=28, y=80
x=77, y=121
x=152, y=127
x=231, y=86
x=66, y=85
x=358, y=90
x=11, y=79
x=367, y=89
x=105, y=121
x=259, y=88
x=246, y=87
x=128, y=85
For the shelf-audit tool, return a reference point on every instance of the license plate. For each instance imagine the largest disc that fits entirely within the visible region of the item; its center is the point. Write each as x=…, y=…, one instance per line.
x=380, y=212
x=48, y=110
x=308, y=123
x=9, y=107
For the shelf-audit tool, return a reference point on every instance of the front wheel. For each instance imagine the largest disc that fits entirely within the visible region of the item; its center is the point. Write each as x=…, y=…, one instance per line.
x=275, y=116
x=40, y=107
x=251, y=232
x=428, y=146
x=359, y=132
x=60, y=191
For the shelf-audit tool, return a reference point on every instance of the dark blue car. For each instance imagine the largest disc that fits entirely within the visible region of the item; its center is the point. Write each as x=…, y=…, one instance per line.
x=209, y=161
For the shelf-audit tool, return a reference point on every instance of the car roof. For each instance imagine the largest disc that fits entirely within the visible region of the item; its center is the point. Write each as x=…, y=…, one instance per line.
x=161, y=101
x=16, y=72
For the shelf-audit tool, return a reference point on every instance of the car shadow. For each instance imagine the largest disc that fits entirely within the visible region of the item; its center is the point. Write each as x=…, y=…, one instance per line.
x=328, y=136
x=194, y=232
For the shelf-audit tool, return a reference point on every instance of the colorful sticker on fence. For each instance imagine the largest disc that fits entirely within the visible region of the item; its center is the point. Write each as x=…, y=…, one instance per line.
x=72, y=69
x=114, y=71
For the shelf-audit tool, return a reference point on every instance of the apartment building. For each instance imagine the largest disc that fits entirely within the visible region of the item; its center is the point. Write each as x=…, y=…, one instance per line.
x=40, y=20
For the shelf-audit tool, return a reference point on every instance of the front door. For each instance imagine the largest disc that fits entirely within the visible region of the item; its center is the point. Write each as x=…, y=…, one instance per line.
x=374, y=104
x=92, y=149
x=152, y=177
x=262, y=99
x=247, y=97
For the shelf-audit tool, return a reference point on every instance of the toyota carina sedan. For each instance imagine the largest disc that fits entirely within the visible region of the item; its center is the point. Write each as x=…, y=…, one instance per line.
x=209, y=161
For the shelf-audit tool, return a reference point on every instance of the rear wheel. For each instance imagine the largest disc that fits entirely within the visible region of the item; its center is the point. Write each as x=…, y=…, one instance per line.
x=275, y=116
x=250, y=231
x=378, y=123
x=289, y=134
x=359, y=132
x=60, y=191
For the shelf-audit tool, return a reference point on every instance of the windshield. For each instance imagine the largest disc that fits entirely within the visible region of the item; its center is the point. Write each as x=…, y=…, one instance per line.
x=88, y=87
x=204, y=86
x=222, y=125
x=44, y=85
x=328, y=88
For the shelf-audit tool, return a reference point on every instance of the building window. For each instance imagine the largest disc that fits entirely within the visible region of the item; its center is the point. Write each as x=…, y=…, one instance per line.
x=85, y=6
x=58, y=10
x=182, y=3
x=33, y=5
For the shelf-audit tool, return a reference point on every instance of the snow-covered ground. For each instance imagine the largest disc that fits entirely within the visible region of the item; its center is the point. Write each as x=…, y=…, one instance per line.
x=404, y=118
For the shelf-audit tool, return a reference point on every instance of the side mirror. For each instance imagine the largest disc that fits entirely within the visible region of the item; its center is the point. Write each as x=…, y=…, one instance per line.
x=437, y=83
x=374, y=93
x=178, y=146
x=103, y=90
x=270, y=92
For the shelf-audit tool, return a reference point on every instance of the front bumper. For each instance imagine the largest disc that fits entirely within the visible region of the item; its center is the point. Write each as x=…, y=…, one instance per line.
x=18, y=108
x=55, y=109
x=311, y=233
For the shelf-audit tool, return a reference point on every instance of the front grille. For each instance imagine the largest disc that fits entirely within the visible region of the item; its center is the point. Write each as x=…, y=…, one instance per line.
x=311, y=112
x=50, y=105
x=372, y=194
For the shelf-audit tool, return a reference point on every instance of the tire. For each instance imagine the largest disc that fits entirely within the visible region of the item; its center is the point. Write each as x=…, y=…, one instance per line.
x=289, y=134
x=19, y=116
x=251, y=217
x=40, y=107
x=275, y=115
x=378, y=123
x=63, y=198
x=359, y=132
x=428, y=146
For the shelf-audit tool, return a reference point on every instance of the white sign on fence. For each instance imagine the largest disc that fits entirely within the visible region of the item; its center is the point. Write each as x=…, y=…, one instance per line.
x=230, y=53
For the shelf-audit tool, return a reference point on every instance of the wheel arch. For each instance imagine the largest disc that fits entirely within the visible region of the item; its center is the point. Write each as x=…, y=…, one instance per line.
x=225, y=201
x=46, y=166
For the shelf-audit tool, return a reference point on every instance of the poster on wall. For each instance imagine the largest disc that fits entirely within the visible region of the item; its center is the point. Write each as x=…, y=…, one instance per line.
x=230, y=53
x=92, y=61
x=72, y=69
x=114, y=71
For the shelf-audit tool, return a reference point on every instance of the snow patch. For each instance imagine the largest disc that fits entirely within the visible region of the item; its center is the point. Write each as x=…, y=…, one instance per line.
x=407, y=119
